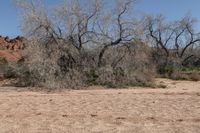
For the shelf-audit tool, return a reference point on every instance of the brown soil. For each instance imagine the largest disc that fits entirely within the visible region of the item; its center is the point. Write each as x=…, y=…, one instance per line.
x=175, y=109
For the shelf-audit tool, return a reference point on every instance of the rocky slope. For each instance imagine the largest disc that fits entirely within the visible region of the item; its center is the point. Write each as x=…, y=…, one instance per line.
x=10, y=48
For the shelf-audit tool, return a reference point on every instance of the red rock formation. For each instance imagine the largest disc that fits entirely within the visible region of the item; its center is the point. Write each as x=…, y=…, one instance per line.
x=15, y=44
x=10, y=48
x=10, y=56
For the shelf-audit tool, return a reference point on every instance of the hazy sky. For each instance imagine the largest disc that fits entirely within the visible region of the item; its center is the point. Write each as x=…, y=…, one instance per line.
x=172, y=9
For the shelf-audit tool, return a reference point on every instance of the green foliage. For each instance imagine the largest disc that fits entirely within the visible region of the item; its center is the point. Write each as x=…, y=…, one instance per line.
x=190, y=70
x=185, y=73
x=181, y=73
x=166, y=70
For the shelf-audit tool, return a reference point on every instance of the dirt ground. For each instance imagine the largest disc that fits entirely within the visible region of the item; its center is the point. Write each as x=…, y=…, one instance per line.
x=175, y=109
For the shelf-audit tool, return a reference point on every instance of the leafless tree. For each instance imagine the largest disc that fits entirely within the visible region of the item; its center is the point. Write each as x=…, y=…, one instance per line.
x=79, y=21
x=172, y=39
x=67, y=38
x=80, y=25
x=186, y=38
x=116, y=28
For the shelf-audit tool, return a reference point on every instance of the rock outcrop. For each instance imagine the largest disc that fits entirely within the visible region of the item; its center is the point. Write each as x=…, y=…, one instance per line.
x=15, y=44
x=10, y=49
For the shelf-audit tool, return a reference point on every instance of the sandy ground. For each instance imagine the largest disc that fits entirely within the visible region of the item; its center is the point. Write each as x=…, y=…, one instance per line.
x=175, y=109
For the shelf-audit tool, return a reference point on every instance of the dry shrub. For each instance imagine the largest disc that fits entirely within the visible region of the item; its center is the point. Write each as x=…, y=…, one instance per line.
x=72, y=80
x=119, y=77
x=111, y=77
x=195, y=77
x=49, y=66
x=3, y=65
x=56, y=64
x=54, y=70
x=127, y=65
x=9, y=69
x=3, y=61
x=177, y=75
x=74, y=46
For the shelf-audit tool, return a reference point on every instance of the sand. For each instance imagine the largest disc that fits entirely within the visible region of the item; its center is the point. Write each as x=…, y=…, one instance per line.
x=175, y=109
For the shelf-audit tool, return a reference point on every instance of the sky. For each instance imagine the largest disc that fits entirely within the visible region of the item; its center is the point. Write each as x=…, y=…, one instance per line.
x=172, y=9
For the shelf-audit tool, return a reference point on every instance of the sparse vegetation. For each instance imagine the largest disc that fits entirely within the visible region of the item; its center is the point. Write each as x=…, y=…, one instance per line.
x=73, y=46
x=184, y=73
x=99, y=66
x=87, y=47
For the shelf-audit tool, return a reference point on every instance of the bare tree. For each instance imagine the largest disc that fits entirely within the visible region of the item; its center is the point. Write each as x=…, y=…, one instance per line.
x=186, y=38
x=119, y=30
x=79, y=36
x=172, y=39
x=79, y=21
x=160, y=33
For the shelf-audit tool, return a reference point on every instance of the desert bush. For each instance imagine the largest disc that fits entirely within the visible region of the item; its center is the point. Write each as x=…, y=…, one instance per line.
x=92, y=77
x=14, y=70
x=184, y=74
x=177, y=75
x=119, y=77
x=110, y=77
x=9, y=72
x=128, y=65
x=195, y=77
x=165, y=70
x=74, y=78
x=7, y=69
x=49, y=67
x=77, y=46
x=189, y=70
x=3, y=64
x=3, y=61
